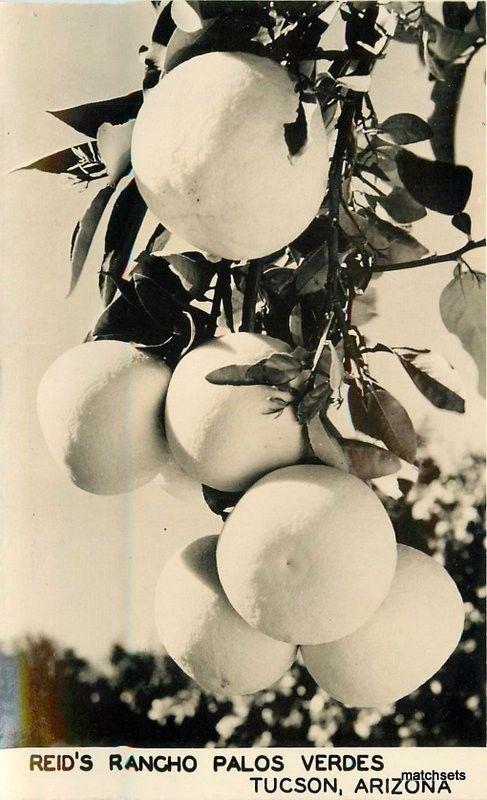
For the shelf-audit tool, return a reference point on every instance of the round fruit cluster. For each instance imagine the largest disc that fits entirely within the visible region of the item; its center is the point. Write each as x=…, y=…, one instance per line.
x=306, y=558
x=308, y=555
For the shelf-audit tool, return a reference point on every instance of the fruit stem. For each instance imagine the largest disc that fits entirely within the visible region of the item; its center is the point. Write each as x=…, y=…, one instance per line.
x=250, y=295
x=344, y=126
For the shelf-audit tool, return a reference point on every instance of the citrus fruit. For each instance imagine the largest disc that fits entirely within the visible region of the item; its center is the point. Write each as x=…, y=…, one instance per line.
x=403, y=644
x=307, y=554
x=204, y=634
x=100, y=406
x=211, y=160
x=176, y=482
x=225, y=436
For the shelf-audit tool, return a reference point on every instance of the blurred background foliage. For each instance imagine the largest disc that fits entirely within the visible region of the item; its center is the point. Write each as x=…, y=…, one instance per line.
x=52, y=696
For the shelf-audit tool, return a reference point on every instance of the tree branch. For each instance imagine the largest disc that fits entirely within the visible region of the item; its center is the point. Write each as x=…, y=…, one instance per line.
x=250, y=295
x=338, y=160
x=217, y=300
x=424, y=262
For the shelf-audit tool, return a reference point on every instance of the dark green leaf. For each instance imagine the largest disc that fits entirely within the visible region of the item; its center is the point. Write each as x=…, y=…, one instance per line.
x=81, y=162
x=194, y=272
x=85, y=231
x=314, y=237
x=463, y=222
x=456, y=15
x=379, y=415
x=446, y=97
x=312, y=273
x=220, y=502
x=232, y=375
x=125, y=319
x=325, y=444
x=126, y=322
x=435, y=67
x=227, y=33
x=447, y=43
x=401, y=206
x=123, y=226
x=391, y=244
x=165, y=26
x=296, y=133
x=88, y=118
x=428, y=384
x=313, y=402
x=406, y=128
x=391, y=423
x=480, y=16
x=158, y=290
x=435, y=184
x=276, y=370
x=358, y=410
x=74, y=236
x=361, y=29
x=374, y=170
x=305, y=357
x=367, y=461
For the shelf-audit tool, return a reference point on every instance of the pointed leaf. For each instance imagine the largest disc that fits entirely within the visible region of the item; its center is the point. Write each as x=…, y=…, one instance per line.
x=87, y=118
x=194, y=272
x=447, y=43
x=296, y=325
x=392, y=244
x=85, y=231
x=232, y=375
x=336, y=369
x=124, y=319
x=406, y=128
x=381, y=416
x=462, y=222
x=278, y=369
x=164, y=27
x=312, y=273
x=74, y=236
x=312, y=239
x=358, y=410
x=81, y=161
x=437, y=185
x=367, y=461
x=431, y=374
x=401, y=206
x=391, y=423
x=446, y=97
x=462, y=308
x=325, y=446
x=124, y=224
x=314, y=401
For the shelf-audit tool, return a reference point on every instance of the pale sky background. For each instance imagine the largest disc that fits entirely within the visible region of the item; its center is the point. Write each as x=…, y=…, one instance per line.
x=76, y=566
